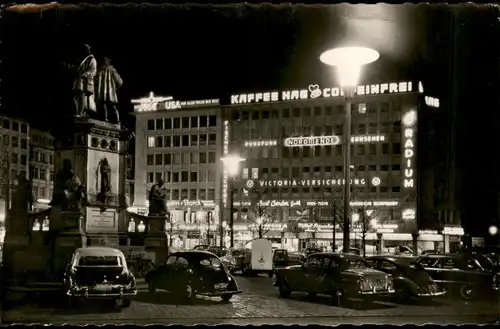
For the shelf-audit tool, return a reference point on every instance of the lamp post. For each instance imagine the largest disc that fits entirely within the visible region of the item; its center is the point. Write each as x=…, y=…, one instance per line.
x=231, y=165
x=348, y=61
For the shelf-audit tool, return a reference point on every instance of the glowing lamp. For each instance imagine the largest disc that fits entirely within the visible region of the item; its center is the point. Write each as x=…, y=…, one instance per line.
x=224, y=224
x=373, y=222
x=232, y=164
x=348, y=61
x=355, y=218
x=259, y=220
x=493, y=230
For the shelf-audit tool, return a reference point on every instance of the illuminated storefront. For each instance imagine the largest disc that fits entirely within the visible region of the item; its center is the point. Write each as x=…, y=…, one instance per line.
x=294, y=163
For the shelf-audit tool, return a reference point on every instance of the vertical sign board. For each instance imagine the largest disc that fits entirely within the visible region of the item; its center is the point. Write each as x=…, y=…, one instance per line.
x=409, y=169
x=101, y=221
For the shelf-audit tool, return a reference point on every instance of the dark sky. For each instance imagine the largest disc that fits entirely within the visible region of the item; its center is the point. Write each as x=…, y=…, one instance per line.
x=200, y=51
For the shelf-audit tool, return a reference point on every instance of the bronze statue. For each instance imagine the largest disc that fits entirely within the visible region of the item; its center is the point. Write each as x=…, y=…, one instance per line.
x=69, y=192
x=158, y=199
x=108, y=81
x=83, y=85
x=105, y=171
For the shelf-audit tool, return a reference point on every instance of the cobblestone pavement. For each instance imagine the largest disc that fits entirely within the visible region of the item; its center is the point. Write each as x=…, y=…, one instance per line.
x=259, y=302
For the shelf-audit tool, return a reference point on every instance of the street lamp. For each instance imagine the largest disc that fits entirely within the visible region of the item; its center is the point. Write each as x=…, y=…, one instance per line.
x=231, y=165
x=348, y=61
x=493, y=230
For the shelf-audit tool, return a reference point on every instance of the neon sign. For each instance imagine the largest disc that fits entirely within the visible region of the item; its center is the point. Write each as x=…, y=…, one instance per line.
x=409, y=120
x=152, y=103
x=225, y=174
x=314, y=91
x=260, y=143
x=431, y=101
x=309, y=182
x=311, y=141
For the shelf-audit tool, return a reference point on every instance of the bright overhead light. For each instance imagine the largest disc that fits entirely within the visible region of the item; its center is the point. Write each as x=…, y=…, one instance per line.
x=348, y=61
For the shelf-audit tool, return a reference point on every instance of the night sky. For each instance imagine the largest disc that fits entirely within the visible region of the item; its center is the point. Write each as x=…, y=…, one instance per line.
x=200, y=51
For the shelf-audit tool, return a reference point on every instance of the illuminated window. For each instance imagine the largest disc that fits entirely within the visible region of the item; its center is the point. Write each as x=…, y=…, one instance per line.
x=151, y=142
x=362, y=108
x=36, y=225
x=255, y=173
x=244, y=174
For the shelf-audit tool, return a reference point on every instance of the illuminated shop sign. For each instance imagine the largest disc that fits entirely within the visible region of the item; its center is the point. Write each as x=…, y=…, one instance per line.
x=453, y=231
x=409, y=120
x=431, y=101
x=315, y=203
x=314, y=91
x=433, y=232
x=409, y=214
x=260, y=143
x=225, y=151
x=312, y=141
x=190, y=203
x=309, y=182
x=152, y=103
x=330, y=140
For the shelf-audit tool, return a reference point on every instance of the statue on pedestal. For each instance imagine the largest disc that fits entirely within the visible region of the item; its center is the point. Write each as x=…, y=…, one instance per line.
x=69, y=192
x=83, y=85
x=22, y=202
x=158, y=199
x=104, y=176
x=108, y=81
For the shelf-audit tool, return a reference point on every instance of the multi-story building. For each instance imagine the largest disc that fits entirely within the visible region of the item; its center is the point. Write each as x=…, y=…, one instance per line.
x=41, y=166
x=14, y=156
x=291, y=182
x=180, y=142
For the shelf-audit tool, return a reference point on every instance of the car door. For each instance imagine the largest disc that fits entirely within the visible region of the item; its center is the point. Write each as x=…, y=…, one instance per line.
x=312, y=274
x=317, y=276
x=164, y=274
x=450, y=273
x=179, y=278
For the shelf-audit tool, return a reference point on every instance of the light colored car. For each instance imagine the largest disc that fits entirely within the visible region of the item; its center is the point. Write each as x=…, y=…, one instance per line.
x=99, y=273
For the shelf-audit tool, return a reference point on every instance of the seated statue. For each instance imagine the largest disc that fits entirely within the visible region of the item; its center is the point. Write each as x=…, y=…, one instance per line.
x=69, y=192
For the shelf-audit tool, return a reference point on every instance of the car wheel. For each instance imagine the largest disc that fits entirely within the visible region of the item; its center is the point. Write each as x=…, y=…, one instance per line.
x=284, y=290
x=226, y=298
x=468, y=292
x=151, y=287
x=190, y=293
x=403, y=296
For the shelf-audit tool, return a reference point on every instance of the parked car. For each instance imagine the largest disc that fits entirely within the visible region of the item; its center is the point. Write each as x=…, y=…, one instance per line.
x=201, y=247
x=99, y=273
x=460, y=273
x=218, y=250
x=283, y=258
x=308, y=251
x=191, y=273
x=234, y=259
x=410, y=278
x=338, y=275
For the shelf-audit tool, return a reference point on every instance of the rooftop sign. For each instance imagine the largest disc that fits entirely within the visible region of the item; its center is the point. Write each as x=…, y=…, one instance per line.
x=315, y=91
x=152, y=103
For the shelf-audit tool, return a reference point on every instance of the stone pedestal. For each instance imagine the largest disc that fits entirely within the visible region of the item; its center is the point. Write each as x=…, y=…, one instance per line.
x=156, y=240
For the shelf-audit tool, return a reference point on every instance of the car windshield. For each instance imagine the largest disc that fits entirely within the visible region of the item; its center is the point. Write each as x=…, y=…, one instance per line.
x=211, y=263
x=356, y=263
x=99, y=261
x=238, y=253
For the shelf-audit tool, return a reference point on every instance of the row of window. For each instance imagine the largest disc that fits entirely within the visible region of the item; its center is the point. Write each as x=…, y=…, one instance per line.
x=14, y=125
x=372, y=108
x=42, y=174
x=183, y=122
x=183, y=176
x=43, y=141
x=42, y=192
x=296, y=172
x=43, y=157
x=319, y=191
x=194, y=194
x=178, y=158
x=320, y=151
x=184, y=140
x=14, y=141
x=16, y=158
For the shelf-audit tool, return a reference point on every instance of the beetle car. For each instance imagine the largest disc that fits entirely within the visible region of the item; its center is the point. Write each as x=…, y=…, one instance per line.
x=99, y=273
x=339, y=275
x=192, y=273
x=410, y=278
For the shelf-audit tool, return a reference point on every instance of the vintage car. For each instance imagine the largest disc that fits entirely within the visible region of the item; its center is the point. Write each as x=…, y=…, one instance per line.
x=410, y=278
x=284, y=258
x=234, y=259
x=99, y=273
x=339, y=275
x=462, y=274
x=201, y=247
x=218, y=250
x=191, y=273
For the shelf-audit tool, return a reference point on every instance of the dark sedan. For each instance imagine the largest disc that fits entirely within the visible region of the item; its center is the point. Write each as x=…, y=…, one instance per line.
x=410, y=278
x=338, y=275
x=192, y=273
x=461, y=274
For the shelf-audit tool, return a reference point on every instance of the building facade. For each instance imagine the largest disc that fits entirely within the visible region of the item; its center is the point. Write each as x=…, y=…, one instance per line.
x=41, y=166
x=179, y=142
x=290, y=187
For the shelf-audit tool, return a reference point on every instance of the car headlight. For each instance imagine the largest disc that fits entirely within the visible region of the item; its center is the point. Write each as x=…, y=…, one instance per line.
x=365, y=285
x=390, y=284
